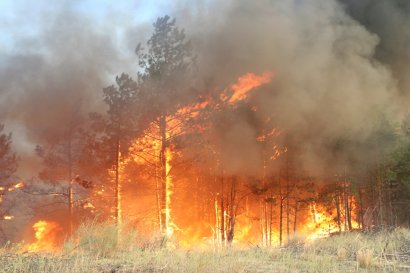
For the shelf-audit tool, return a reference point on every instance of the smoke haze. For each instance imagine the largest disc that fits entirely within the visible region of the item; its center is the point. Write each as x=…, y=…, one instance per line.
x=336, y=64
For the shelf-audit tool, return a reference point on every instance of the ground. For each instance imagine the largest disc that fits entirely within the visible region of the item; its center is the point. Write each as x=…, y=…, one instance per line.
x=97, y=250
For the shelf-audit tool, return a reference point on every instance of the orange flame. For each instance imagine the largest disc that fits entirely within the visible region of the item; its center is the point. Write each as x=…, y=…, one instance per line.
x=246, y=83
x=46, y=235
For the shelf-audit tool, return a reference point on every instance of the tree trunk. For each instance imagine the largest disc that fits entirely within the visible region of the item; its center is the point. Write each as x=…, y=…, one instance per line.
x=117, y=183
x=163, y=174
x=337, y=201
x=70, y=188
x=158, y=198
x=361, y=213
x=287, y=198
x=223, y=212
x=270, y=219
x=295, y=195
x=232, y=211
x=346, y=203
x=280, y=211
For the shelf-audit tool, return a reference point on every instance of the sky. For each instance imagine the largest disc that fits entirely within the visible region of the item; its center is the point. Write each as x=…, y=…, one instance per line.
x=24, y=18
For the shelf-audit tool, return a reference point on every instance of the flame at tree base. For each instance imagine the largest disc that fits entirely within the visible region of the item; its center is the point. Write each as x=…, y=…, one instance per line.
x=47, y=235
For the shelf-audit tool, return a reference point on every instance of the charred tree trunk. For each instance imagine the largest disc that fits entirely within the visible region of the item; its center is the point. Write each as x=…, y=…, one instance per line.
x=346, y=203
x=232, y=211
x=361, y=213
x=337, y=201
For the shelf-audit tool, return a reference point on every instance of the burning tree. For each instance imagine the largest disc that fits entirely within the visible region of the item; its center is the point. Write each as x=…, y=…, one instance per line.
x=236, y=164
x=118, y=128
x=61, y=157
x=165, y=76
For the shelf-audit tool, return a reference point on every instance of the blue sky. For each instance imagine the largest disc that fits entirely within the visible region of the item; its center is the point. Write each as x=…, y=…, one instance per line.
x=24, y=18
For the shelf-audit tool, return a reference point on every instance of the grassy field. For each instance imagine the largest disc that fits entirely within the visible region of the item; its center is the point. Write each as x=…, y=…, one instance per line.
x=96, y=249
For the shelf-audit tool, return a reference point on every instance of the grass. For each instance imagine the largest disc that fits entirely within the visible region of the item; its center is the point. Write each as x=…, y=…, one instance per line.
x=96, y=249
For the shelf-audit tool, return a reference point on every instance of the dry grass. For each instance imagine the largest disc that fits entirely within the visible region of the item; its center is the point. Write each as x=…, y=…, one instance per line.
x=364, y=257
x=96, y=249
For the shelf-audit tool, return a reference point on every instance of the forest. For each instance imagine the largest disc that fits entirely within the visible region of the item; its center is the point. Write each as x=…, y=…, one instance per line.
x=207, y=163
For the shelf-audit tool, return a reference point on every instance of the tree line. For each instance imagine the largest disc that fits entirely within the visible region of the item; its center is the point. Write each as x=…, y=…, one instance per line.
x=162, y=106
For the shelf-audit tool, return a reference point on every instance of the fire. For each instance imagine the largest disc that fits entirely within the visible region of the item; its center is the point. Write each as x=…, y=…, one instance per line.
x=323, y=224
x=221, y=209
x=16, y=186
x=19, y=185
x=46, y=236
x=8, y=217
x=168, y=192
x=246, y=83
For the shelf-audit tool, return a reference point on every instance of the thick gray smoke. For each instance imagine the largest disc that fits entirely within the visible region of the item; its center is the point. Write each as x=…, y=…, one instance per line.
x=330, y=83
x=336, y=64
x=390, y=20
x=54, y=76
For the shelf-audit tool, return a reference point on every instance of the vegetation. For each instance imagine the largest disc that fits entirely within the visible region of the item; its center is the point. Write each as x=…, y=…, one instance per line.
x=94, y=248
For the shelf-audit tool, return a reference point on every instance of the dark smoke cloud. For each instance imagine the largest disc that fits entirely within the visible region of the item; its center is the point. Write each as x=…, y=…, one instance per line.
x=390, y=20
x=329, y=84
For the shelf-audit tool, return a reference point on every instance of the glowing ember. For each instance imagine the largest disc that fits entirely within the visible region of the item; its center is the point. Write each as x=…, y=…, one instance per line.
x=17, y=186
x=8, y=217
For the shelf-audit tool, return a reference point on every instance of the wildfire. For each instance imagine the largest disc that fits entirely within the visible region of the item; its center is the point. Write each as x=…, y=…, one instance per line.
x=168, y=192
x=46, y=236
x=323, y=224
x=229, y=221
x=246, y=83
x=18, y=185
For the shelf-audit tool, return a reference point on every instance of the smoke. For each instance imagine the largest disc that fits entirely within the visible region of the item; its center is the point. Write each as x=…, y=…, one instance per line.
x=54, y=73
x=330, y=83
x=390, y=20
x=337, y=66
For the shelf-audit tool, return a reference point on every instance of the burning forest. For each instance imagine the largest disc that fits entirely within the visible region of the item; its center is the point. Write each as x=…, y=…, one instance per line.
x=253, y=125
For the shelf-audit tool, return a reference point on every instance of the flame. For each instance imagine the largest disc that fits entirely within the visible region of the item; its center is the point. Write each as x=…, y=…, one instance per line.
x=246, y=83
x=19, y=185
x=209, y=225
x=168, y=192
x=323, y=224
x=46, y=236
x=16, y=186
x=8, y=217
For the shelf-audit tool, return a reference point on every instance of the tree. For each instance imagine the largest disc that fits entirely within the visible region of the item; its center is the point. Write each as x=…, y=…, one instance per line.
x=61, y=156
x=8, y=160
x=165, y=75
x=118, y=128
